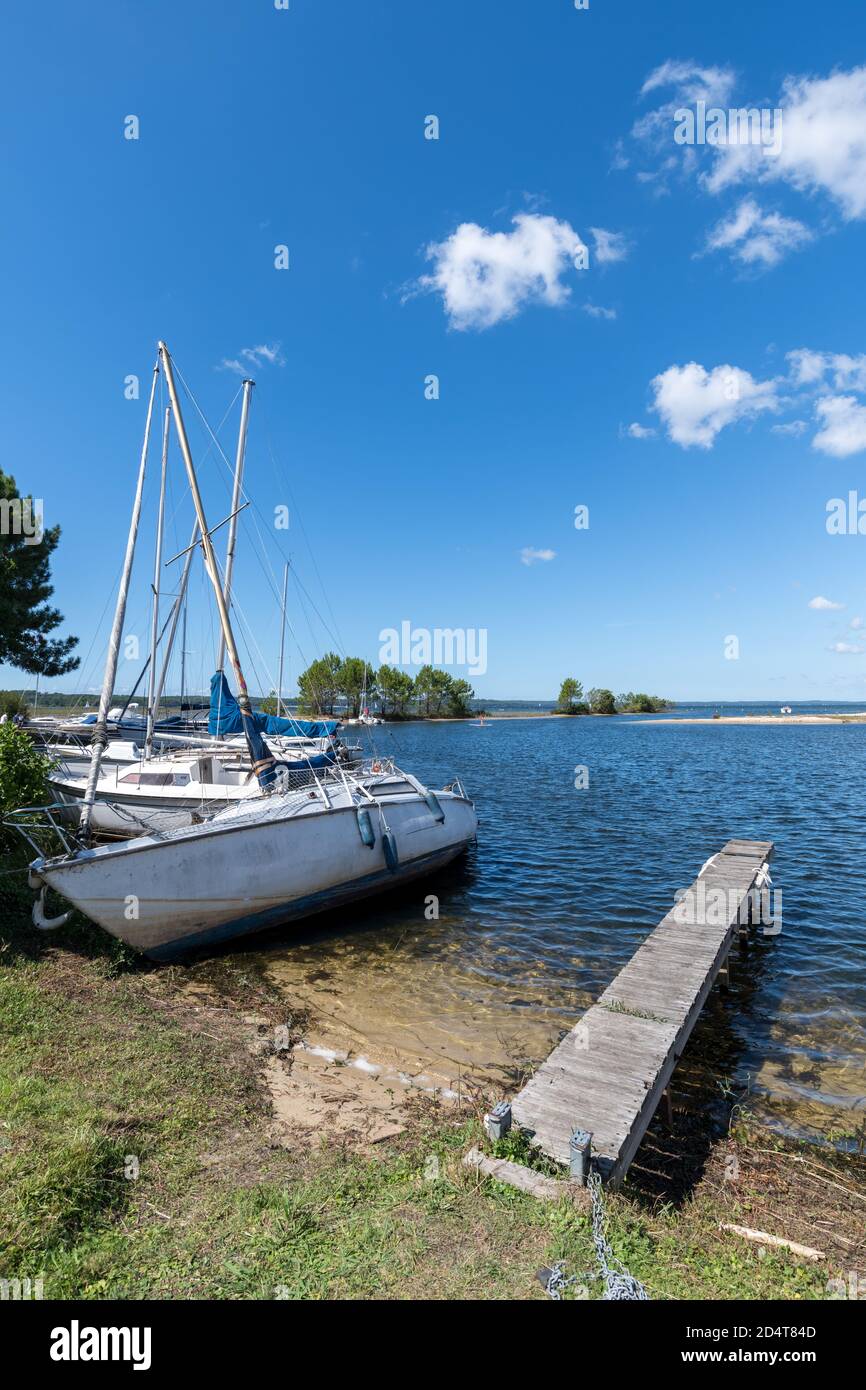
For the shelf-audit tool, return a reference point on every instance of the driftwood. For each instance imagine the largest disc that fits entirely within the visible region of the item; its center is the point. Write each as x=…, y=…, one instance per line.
x=804, y=1251
x=525, y=1179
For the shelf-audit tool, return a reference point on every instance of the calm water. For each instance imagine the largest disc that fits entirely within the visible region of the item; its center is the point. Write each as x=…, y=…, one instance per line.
x=564, y=884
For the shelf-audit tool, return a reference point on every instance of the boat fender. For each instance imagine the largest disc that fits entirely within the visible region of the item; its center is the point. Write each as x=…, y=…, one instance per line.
x=389, y=845
x=365, y=826
x=40, y=920
x=435, y=806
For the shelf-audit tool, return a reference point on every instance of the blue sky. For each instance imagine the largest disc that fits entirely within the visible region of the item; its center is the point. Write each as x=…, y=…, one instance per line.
x=261, y=127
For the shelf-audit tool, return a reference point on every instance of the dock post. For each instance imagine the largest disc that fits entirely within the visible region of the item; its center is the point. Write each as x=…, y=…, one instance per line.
x=668, y=1102
x=580, y=1155
x=725, y=974
x=498, y=1122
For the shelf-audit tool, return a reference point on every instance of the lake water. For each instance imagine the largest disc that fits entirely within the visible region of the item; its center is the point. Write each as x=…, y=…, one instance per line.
x=564, y=884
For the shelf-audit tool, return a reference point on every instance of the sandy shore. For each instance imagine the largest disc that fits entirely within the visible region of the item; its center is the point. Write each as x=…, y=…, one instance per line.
x=856, y=717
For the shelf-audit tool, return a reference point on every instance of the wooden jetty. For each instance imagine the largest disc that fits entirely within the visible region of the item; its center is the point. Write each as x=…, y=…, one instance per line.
x=606, y=1078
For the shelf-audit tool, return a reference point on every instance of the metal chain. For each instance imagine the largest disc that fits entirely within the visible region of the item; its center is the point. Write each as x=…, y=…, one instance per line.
x=555, y=1281
x=618, y=1283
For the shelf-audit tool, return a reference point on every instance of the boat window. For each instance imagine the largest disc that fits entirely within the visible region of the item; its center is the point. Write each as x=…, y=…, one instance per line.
x=149, y=779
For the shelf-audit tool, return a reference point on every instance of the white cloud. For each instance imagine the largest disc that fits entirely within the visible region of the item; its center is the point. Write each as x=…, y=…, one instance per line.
x=609, y=246
x=636, y=431
x=793, y=427
x=823, y=144
x=755, y=237
x=845, y=648
x=810, y=368
x=807, y=367
x=597, y=311
x=690, y=83
x=695, y=404
x=825, y=605
x=250, y=359
x=529, y=556
x=485, y=277
x=856, y=623
x=843, y=426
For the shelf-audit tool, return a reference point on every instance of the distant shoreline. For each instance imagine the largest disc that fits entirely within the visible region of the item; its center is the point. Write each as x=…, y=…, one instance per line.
x=855, y=717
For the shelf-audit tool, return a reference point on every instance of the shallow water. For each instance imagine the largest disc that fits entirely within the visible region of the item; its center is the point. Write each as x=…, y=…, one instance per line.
x=564, y=884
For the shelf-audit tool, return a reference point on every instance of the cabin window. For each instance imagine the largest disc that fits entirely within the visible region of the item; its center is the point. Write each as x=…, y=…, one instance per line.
x=148, y=779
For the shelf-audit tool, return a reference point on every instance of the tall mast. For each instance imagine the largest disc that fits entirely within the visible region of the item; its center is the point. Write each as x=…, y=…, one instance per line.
x=262, y=760
x=282, y=641
x=183, y=656
x=100, y=736
x=157, y=575
x=236, y=501
x=179, y=603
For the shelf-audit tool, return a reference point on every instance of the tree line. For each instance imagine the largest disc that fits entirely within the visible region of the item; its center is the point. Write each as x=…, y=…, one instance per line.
x=600, y=701
x=332, y=679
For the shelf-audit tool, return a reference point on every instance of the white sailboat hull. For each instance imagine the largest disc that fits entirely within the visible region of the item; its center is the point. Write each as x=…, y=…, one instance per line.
x=240, y=874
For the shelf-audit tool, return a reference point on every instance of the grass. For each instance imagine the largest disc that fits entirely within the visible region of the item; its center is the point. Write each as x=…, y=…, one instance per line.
x=138, y=1160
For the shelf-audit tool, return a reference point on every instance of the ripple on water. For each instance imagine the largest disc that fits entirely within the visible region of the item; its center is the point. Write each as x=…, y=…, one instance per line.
x=564, y=884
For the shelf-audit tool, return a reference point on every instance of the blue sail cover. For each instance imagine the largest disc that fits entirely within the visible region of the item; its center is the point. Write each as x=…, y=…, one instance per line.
x=225, y=717
x=263, y=761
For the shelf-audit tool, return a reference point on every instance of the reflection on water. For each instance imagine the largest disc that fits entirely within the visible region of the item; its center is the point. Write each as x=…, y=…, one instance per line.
x=564, y=884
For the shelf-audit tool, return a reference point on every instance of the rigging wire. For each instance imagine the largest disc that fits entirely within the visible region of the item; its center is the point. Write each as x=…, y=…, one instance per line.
x=270, y=577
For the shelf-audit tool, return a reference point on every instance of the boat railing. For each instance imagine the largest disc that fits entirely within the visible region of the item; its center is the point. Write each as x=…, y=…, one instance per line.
x=43, y=829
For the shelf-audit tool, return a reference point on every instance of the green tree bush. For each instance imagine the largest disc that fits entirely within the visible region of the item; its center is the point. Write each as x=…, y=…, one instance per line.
x=12, y=702
x=570, y=697
x=23, y=773
x=395, y=689
x=459, y=695
x=25, y=587
x=353, y=678
x=601, y=701
x=319, y=685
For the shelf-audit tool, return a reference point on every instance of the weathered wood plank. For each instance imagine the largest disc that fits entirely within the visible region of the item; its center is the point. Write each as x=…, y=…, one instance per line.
x=526, y=1179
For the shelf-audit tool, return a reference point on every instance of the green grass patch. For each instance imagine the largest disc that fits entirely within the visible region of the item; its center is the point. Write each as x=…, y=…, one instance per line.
x=137, y=1160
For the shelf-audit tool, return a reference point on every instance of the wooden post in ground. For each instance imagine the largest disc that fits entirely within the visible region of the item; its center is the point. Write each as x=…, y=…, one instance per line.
x=725, y=974
x=668, y=1107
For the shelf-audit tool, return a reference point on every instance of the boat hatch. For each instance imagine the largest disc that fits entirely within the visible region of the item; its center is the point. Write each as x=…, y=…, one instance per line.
x=393, y=787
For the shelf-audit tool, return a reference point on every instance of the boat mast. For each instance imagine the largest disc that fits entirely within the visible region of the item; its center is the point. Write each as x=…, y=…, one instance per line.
x=179, y=603
x=236, y=502
x=100, y=735
x=183, y=657
x=262, y=759
x=282, y=641
x=157, y=567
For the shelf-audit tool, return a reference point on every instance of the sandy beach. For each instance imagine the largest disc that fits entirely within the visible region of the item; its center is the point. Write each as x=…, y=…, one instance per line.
x=857, y=717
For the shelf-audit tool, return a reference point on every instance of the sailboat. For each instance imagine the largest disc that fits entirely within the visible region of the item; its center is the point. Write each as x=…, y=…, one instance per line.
x=273, y=857
x=185, y=784
x=186, y=776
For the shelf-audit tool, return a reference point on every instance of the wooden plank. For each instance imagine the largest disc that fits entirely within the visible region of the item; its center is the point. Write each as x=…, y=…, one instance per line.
x=526, y=1179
